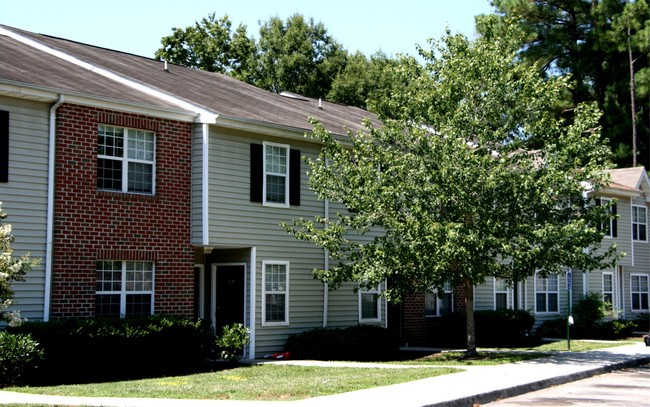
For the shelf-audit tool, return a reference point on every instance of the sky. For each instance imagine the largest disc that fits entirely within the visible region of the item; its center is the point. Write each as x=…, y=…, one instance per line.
x=137, y=26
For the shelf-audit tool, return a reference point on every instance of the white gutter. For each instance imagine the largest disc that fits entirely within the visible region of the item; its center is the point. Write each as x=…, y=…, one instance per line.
x=51, y=166
x=251, y=322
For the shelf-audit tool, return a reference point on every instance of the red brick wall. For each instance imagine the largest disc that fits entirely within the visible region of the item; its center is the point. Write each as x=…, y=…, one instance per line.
x=91, y=225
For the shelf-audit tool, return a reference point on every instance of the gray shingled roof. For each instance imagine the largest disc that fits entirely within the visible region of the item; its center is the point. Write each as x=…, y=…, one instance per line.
x=22, y=64
x=217, y=93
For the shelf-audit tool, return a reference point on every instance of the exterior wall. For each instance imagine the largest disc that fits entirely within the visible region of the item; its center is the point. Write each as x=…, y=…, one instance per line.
x=24, y=197
x=93, y=225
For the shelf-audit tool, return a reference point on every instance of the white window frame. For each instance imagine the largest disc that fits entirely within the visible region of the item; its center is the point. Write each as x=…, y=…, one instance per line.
x=639, y=293
x=363, y=291
x=125, y=160
x=544, y=290
x=124, y=291
x=611, y=292
x=284, y=292
x=440, y=302
x=507, y=292
x=637, y=225
x=266, y=173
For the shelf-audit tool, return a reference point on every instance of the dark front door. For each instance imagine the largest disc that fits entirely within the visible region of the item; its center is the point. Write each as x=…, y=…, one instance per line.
x=230, y=295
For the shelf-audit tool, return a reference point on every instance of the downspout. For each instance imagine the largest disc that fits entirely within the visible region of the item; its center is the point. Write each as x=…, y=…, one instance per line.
x=253, y=268
x=49, y=233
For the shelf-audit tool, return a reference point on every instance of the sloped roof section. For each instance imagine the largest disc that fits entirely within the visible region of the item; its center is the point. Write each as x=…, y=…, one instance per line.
x=631, y=180
x=214, y=92
x=21, y=64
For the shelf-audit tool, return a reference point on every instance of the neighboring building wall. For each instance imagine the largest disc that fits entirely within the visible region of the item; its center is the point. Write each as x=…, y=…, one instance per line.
x=92, y=225
x=24, y=196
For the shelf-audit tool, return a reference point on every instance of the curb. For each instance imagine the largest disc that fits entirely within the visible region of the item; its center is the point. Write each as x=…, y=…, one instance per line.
x=513, y=391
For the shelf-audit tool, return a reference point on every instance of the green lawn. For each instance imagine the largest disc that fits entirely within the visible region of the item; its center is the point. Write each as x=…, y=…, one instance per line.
x=256, y=382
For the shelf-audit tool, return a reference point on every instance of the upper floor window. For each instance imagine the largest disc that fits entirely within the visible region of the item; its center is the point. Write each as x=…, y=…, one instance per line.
x=610, y=228
x=639, y=292
x=369, y=305
x=125, y=160
x=439, y=302
x=501, y=294
x=124, y=288
x=275, y=174
x=275, y=293
x=639, y=223
x=547, y=293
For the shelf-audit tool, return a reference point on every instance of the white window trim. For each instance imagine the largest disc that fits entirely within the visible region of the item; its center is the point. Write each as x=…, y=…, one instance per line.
x=547, y=292
x=647, y=276
x=125, y=162
x=373, y=290
x=440, y=301
x=508, y=293
x=637, y=223
x=286, y=293
x=123, y=292
x=287, y=147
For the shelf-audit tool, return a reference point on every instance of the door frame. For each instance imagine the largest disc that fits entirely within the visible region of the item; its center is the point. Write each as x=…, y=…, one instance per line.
x=213, y=291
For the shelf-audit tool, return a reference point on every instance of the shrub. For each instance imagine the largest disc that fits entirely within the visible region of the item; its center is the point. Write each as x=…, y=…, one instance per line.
x=232, y=341
x=110, y=349
x=588, y=312
x=643, y=322
x=19, y=357
x=494, y=328
x=360, y=343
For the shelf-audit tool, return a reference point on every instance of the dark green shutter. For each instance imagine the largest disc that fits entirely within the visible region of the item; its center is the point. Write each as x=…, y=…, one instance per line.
x=4, y=146
x=294, y=177
x=257, y=173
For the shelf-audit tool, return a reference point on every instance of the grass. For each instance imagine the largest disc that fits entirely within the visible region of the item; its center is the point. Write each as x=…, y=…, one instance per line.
x=256, y=382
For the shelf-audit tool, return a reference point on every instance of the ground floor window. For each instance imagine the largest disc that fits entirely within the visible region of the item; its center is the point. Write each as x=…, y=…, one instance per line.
x=501, y=294
x=369, y=304
x=439, y=302
x=639, y=292
x=124, y=288
x=608, y=290
x=275, y=291
x=547, y=293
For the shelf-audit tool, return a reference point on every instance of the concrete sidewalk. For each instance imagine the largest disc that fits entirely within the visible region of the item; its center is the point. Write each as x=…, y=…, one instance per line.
x=475, y=385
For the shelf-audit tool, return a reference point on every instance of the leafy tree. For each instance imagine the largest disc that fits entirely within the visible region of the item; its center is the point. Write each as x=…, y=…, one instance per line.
x=211, y=45
x=11, y=270
x=430, y=197
x=589, y=40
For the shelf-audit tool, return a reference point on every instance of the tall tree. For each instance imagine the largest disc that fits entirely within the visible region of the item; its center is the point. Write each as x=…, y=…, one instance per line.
x=578, y=37
x=430, y=194
x=211, y=45
x=298, y=56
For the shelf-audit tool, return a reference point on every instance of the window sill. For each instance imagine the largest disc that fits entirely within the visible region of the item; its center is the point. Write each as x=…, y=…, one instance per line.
x=128, y=196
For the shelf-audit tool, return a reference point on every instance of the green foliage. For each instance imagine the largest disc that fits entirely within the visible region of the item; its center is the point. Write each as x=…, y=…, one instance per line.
x=588, y=311
x=19, y=357
x=358, y=343
x=11, y=270
x=232, y=341
x=494, y=328
x=112, y=349
x=598, y=43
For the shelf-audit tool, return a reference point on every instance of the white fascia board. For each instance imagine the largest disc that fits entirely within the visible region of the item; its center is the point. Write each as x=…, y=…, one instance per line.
x=50, y=95
x=204, y=116
x=267, y=129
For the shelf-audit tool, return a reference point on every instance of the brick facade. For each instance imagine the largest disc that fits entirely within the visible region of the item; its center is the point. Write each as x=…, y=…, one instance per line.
x=92, y=225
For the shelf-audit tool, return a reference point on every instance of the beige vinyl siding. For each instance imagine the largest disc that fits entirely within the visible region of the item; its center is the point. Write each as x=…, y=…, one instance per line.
x=484, y=295
x=236, y=222
x=197, y=185
x=24, y=197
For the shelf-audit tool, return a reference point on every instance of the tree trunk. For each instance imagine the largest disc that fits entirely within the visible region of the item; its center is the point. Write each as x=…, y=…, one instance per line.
x=632, y=96
x=470, y=326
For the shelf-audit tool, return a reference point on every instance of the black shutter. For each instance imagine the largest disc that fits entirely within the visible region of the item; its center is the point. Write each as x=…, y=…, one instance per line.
x=614, y=222
x=257, y=173
x=294, y=177
x=4, y=146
